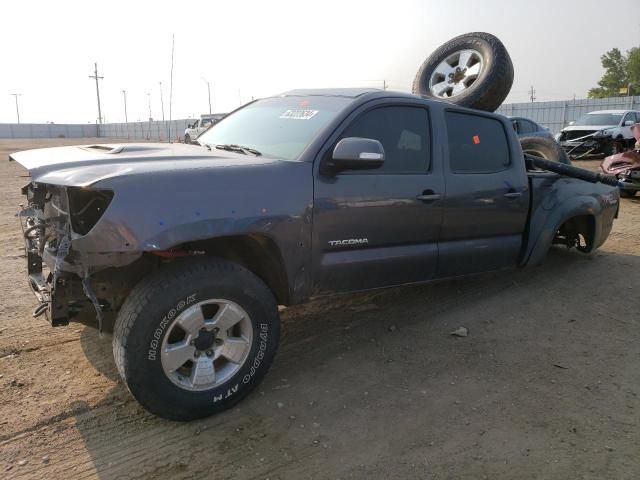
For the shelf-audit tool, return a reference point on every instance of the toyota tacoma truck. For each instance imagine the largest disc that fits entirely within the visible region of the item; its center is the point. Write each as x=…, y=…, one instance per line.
x=305, y=194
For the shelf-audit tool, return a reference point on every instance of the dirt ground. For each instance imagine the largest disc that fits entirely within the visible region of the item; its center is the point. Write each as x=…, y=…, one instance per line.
x=546, y=385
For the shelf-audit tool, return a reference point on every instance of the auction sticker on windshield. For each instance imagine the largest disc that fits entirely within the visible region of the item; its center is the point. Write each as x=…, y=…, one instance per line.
x=299, y=114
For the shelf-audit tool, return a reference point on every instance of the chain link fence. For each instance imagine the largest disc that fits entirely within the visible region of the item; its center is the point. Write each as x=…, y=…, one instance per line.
x=155, y=130
x=47, y=130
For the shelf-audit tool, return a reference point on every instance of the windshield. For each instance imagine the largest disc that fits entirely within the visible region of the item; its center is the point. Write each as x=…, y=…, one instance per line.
x=600, y=119
x=280, y=127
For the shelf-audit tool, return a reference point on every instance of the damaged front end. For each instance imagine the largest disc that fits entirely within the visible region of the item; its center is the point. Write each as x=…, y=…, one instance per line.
x=579, y=144
x=59, y=275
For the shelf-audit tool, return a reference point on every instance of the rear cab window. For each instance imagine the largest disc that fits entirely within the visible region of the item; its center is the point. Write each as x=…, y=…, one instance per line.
x=477, y=144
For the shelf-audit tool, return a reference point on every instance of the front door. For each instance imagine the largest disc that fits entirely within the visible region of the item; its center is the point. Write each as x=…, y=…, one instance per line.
x=380, y=227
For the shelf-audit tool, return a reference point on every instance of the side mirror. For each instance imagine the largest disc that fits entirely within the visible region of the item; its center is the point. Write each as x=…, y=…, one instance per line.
x=354, y=153
x=189, y=125
x=628, y=123
x=572, y=123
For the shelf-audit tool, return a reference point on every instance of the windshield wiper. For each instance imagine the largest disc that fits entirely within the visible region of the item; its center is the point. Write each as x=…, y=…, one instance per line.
x=232, y=147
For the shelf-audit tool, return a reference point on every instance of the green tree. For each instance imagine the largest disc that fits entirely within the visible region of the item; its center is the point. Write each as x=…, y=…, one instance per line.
x=615, y=75
x=633, y=70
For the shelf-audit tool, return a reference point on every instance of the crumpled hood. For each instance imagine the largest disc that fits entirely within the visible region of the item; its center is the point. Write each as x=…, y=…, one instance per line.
x=84, y=165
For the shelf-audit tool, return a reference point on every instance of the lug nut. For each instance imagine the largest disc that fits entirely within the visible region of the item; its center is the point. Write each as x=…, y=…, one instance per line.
x=219, y=341
x=192, y=342
x=216, y=329
x=196, y=353
x=209, y=353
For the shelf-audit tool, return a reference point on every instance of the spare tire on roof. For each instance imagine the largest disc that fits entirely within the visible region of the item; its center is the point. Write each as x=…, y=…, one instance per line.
x=473, y=70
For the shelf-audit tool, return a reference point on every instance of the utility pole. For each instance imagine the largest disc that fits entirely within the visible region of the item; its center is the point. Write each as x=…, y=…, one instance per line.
x=173, y=44
x=126, y=119
x=149, y=99
x=532, y=94
x=209, y=91
x=96, y=77
x=16, y=95
x=161, y=102
x=124, y=94
x=150, y=117
x=384, y=84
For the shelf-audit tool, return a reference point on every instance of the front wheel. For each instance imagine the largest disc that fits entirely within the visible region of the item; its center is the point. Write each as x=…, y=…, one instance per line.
x=195, y=337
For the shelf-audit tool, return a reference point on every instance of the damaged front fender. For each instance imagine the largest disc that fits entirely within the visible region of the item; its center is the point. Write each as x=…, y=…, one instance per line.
x=59, y=274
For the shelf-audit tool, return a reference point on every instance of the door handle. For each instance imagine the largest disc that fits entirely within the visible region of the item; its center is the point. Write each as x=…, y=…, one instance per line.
x=429, y=196
x=513, y=194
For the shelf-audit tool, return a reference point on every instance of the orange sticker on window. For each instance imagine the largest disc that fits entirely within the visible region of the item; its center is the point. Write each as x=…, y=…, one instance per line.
x=304, y=103
x=476, y=139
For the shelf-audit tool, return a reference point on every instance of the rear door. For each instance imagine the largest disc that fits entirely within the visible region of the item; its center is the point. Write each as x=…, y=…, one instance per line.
x=380, y=227
x=486, y=203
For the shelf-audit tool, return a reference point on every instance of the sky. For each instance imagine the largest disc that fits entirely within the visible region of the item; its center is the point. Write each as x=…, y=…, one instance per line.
x=247, y=49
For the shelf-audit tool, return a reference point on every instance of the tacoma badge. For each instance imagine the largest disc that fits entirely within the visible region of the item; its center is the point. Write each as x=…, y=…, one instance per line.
x=349, y=241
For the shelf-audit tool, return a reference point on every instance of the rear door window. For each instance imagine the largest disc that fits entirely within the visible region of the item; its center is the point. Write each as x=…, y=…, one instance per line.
x=477, y=144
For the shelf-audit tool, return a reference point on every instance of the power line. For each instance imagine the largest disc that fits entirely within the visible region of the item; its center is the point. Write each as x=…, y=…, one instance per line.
x=16, y=95
x=96, y=77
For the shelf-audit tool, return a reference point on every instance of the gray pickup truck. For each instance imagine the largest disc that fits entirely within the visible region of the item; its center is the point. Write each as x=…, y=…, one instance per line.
x=289, y=198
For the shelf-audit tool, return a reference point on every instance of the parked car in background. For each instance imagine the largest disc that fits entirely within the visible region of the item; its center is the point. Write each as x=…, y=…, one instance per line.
x=599, y=133
x=525, y=127
x=199, y=126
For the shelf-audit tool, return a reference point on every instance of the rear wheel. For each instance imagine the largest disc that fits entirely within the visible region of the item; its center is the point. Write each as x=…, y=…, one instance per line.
x=544, y=148
x=195, y=338
x=187, y=138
